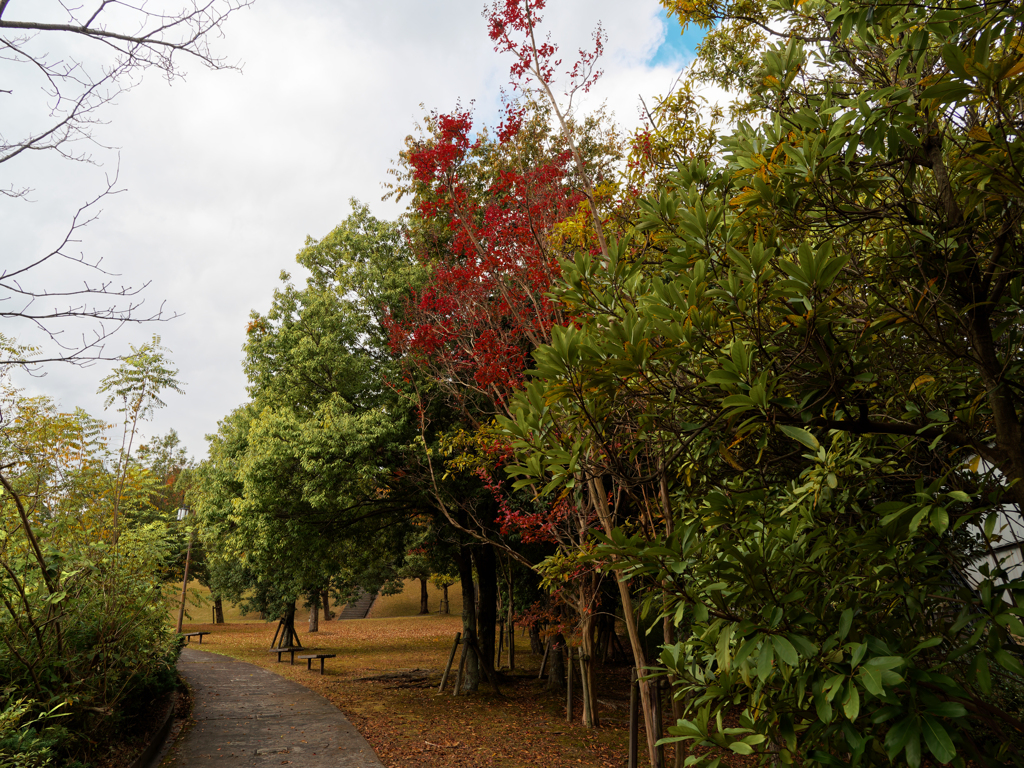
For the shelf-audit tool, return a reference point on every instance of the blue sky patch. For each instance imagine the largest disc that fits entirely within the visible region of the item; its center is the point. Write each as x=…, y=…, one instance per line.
x=678, y=46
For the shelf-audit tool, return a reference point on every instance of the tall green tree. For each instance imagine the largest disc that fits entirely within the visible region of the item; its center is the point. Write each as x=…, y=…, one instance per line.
x=299, y=480
x=799, y=412
x=135, y=386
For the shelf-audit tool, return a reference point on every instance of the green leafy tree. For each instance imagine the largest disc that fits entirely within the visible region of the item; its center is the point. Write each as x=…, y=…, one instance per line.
x=135, y=386
x=301, y=479
x=83, y=635
x=783, y=413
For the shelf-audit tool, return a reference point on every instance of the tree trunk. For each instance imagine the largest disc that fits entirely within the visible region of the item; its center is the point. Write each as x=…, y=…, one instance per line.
x=511, y=626
x=218, y=609
x=599, y=498
x=470, y=673
x=444, y=600
x=536, y=644
x=314, y=611
x=325, y=601
x=586, y=606
x=587, y=627
x=424, y=607
x=289, y=637
x=668, y=626
x=487, y=572
x=556, y=664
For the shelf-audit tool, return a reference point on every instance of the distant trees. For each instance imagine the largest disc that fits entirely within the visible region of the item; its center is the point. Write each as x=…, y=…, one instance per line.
x=299, y=492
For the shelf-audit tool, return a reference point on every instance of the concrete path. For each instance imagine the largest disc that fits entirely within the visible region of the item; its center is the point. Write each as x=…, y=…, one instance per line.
x=247, y=716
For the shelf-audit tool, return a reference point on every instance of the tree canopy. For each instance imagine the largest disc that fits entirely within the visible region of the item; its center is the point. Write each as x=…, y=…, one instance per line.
x=765, y=369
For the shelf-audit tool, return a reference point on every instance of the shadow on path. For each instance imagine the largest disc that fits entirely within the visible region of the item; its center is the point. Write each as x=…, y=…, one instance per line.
x=247, y=716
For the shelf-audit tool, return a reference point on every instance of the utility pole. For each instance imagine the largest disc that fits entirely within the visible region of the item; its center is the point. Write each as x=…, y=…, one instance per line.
x=182, y=515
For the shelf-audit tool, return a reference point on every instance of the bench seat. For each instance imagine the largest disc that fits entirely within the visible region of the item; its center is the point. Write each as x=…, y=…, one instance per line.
x=309, y=659
x=289, y=649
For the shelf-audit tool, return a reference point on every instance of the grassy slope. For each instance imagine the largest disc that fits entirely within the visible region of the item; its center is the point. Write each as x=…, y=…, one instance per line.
x=407, y=603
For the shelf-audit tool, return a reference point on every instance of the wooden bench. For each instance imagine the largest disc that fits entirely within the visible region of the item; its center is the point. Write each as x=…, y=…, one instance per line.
x=189, y=635
x=321, y=656
x=290, y=649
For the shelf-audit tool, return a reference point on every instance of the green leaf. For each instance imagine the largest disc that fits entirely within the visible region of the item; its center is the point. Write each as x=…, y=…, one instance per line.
x=937, y=740
x=871, y=679
x=802, y=436
x=939, y=520
x=823, y=708
x=1008, y=661
x=947, y=709
x=785, y=650
x=885, y=662
x=845, y=622
x=851, y=702
x=764, y=660
x=857, y=651
x=899, y=736
x=947, y=91
x=981, y=673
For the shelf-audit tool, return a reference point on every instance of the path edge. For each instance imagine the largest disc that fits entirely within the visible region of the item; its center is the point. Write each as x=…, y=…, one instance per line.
x=149, y=754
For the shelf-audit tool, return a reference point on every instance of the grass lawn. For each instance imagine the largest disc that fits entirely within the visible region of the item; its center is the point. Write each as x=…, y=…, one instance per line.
x=199, y=605
x=385, y=680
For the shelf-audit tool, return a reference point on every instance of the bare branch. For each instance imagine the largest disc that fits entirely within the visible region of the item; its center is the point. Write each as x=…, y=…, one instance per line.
x=131, y=37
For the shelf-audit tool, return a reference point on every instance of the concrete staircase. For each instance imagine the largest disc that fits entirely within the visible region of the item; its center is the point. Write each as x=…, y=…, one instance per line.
x=359, y=608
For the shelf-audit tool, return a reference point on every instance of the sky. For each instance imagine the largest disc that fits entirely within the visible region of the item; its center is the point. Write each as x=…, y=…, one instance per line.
x=223, y=175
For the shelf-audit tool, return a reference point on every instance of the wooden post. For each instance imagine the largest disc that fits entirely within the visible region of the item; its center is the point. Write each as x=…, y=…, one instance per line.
x=184, y=583
x=451, y=658
x=568, y=684
x=544, y=661
x=634, y=717
x=501, y=643
x=462, y=668
x=511, y=643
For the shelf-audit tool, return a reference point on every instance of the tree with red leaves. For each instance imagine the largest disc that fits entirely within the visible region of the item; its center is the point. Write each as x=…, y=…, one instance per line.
x=488, y=220
x=513, y=26
x=484, y=214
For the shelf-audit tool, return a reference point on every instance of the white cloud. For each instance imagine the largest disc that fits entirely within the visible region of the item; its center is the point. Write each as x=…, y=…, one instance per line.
x=226, y=173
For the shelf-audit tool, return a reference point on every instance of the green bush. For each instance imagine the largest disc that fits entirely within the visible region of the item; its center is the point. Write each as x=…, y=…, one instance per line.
x=94, y=648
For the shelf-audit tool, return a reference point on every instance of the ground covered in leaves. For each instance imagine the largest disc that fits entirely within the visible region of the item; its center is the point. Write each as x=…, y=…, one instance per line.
x=385, y=679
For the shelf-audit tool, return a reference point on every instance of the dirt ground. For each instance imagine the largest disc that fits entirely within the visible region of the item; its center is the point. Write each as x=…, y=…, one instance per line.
x=385, y=679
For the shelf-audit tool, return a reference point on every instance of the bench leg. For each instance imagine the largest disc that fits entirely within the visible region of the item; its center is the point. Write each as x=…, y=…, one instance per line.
x=293, y=658
x=309, y=664
x=322, y=665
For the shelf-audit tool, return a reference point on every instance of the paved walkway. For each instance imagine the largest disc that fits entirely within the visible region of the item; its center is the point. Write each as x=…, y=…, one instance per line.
x=247, y=716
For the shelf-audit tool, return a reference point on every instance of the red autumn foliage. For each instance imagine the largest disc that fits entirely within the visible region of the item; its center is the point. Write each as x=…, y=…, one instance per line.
x=486, y=306
x=512, y=25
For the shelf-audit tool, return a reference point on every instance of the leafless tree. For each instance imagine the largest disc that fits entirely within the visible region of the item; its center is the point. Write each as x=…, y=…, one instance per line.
x=77, y=57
